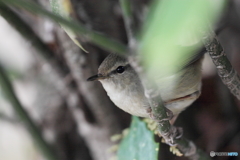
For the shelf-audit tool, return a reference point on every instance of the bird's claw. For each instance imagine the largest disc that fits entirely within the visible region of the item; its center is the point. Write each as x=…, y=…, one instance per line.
x=174, y=133
x=179, y=133
x=169, y=114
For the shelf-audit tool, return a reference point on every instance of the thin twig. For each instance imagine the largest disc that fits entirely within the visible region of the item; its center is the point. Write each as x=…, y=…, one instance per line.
x=226, y=72
x=128, y=20
x=21, y=112
x=95, y=37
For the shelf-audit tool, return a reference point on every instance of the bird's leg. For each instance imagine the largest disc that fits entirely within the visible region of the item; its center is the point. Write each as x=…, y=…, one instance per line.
x=174, y=133
x=179, y=132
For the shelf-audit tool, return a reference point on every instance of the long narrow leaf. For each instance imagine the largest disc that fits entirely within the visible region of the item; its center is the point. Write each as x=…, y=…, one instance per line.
x=64, y=8
x=95, y=37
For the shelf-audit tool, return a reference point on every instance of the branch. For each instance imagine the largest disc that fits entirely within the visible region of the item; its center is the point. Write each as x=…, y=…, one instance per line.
x=95, y=37
x=127, y=17
x=19, y=109
x=157, y=111
x=226, y=72
x=158, y=114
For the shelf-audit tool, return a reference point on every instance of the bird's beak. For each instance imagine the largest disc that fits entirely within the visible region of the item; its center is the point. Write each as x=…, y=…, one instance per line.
x=96, y=77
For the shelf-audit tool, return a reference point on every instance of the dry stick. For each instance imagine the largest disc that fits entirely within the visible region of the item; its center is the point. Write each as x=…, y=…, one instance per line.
x=226, y=72
x=157, y=111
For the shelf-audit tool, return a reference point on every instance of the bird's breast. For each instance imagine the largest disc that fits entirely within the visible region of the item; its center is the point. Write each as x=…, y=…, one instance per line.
x=177, y=91
x=127, y=98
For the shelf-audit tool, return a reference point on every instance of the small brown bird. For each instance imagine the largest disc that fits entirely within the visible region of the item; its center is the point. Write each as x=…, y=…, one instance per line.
x=125, y=89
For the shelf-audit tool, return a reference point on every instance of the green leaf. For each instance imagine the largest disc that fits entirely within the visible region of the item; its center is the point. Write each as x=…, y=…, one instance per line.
x=139, y=144
x=64, y=8
x=173, y=32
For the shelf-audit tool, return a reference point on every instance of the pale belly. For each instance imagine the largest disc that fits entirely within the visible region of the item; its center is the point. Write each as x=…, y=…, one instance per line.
x=136, y=103
x=133, y=103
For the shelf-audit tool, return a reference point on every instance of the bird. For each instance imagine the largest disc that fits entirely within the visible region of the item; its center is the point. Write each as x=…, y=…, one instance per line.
x=126, y=91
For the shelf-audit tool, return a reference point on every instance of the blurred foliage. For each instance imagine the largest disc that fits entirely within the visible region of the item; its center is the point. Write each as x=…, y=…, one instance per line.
x=139, y=143
x=8, y=90
x=173, y=31
x=95, y=37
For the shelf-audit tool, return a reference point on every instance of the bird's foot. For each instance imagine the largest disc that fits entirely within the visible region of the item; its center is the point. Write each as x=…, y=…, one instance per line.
x=153, y=117
x=171, y=135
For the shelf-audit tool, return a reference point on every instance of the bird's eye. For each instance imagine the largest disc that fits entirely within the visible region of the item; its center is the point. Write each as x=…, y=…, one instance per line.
x=120, y=69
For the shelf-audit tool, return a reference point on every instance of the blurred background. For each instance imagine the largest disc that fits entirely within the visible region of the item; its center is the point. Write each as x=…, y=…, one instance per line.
x=48, y=73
